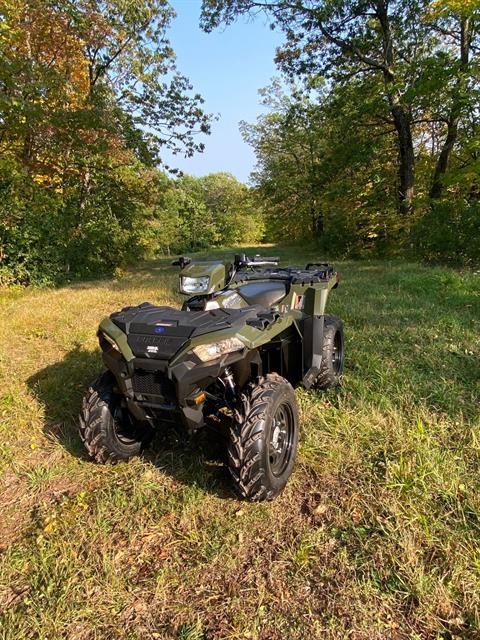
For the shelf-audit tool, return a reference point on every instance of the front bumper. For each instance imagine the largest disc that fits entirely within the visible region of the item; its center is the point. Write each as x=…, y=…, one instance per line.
x=154, y=391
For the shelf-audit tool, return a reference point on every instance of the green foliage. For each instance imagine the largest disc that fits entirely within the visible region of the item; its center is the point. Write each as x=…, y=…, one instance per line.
x=196, y=228
x=377, y=135
x=291, y=171
x=131, y=213
x=450, y=232
x=217, y=209
x=48, y=236
x=316, y=181
x=89, y=97
x=319, y=181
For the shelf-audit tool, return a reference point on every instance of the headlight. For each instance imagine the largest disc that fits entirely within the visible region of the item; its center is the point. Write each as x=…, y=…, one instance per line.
x=208, y=352
x=195, y=285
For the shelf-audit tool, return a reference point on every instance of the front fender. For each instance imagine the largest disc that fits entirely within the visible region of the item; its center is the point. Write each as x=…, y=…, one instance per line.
x=117, y=335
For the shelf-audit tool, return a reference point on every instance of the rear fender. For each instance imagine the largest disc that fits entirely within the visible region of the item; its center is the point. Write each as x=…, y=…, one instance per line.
x=316, y=297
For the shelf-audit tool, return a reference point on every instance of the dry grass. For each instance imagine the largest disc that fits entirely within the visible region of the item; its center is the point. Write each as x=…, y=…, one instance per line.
x=376, y=536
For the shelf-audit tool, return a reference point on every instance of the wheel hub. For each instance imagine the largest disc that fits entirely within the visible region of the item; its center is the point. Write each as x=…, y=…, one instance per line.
x=280, y=441
x=337, y=353
x=276, y=437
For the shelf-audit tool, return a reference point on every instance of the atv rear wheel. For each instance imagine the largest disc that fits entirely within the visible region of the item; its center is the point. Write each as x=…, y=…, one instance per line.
x=108, y=432
x=331, y=368
x=263, y=439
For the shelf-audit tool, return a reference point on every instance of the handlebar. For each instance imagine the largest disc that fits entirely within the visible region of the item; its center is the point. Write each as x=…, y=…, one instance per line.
x=242, y=260
x=181, y=262
x=275, y=259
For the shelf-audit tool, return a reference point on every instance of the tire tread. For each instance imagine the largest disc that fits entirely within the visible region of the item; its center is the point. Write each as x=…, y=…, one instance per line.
x=327, y=378
x=245, y=462
x=95, y=416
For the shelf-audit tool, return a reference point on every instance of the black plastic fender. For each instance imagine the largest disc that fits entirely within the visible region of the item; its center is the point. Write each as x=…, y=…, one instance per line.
x=312, y=348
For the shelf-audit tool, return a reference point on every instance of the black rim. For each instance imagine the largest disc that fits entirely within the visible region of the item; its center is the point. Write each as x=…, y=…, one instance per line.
x=280, y=441
x=337, y=355
x=124, y=428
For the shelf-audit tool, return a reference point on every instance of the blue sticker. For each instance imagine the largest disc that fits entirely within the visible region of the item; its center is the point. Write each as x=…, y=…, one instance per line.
x=160, y=329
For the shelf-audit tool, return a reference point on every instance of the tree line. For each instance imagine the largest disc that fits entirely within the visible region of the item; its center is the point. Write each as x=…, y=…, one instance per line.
x=90, y=97
x=370, y=145
x=374, y=145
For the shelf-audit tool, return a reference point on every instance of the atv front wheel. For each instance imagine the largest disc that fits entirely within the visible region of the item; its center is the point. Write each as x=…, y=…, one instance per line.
x=108, y=432
x=263, y=439
x=331, y=368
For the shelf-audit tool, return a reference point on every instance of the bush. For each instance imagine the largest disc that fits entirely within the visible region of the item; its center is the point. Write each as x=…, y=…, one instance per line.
x=449, y=233
x=51, y=234
x=47, y=237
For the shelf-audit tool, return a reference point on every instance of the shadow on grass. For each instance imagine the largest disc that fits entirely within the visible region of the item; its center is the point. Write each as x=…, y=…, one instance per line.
x=196, y=460
x=192, y=460
x=59, y=388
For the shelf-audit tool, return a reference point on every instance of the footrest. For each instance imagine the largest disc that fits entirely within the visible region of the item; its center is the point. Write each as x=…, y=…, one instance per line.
x=263, y=319
x=310, y=377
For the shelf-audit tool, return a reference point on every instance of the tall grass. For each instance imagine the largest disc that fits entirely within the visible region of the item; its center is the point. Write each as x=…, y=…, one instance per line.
x=376, y=535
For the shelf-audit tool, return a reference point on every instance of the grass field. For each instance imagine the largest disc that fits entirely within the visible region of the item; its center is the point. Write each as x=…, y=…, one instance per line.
x=377, y=535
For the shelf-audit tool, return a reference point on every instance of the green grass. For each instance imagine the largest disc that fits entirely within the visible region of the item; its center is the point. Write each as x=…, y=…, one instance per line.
x=376, y=536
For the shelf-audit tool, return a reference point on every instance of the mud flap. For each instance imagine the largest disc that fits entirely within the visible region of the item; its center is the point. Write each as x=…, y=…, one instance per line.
x=312, y=349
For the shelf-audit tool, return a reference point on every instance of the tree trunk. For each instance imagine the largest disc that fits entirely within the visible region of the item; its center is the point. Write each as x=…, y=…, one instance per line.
x=406, y=162
x=26, y=155
x=83, y=197
x=401, y=116
x=317, y=221
x=441, y=167
x=443, y=159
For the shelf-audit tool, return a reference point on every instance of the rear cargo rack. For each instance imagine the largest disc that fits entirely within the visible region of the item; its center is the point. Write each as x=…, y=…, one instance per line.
x=292, y=275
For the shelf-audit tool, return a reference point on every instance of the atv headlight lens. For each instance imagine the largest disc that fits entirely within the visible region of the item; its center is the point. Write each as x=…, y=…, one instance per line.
x=195, y=285
x=208, y=352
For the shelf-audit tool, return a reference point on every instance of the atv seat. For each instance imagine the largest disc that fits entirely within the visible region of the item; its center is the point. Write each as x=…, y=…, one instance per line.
x=265, y=294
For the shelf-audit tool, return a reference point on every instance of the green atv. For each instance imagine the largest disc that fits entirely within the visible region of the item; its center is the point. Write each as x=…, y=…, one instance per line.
x=227, y=359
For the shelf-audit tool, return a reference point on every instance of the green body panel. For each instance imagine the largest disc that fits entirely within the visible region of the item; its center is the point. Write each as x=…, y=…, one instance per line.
x=251, y=337
x=313, y=302
x=215, y=271
x=225, y=300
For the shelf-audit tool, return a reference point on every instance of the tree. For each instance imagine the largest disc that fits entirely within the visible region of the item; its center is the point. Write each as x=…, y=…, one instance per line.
x=346, y=38
x=457, y=22
x=196, y=227
x=401, y=70
x=215, y=209
x=89, y=97
x=318, y=181
x=288, y=143
x=68, y=62
x=236, y=214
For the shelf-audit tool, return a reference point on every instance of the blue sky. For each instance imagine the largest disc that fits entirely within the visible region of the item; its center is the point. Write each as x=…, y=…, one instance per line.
x=227, y=67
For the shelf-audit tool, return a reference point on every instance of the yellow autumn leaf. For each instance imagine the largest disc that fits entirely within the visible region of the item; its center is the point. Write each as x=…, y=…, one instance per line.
x=459, y=7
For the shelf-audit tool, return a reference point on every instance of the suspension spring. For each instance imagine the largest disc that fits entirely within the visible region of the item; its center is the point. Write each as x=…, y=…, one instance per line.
x=230, y=389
